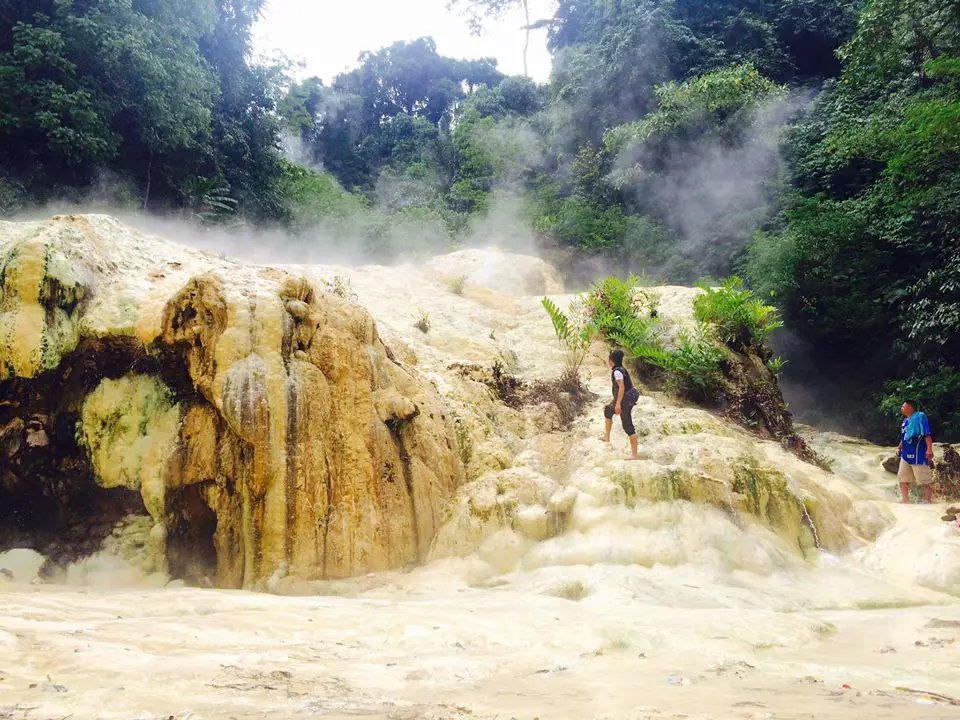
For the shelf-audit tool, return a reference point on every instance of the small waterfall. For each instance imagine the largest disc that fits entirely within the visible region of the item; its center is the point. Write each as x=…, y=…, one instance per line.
x=557, y=522
x=806, y=513
x=730, y=506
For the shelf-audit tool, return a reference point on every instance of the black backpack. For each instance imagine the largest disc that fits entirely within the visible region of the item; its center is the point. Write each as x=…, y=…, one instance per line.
x=630, y=393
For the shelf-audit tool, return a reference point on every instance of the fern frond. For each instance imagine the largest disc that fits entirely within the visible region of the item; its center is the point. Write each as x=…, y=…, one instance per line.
x=561, y=324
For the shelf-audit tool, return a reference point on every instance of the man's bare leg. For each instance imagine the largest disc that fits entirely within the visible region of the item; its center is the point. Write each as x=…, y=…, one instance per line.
x=633, y=448
x=928, y=493
x=607, y=426
x=905, y=493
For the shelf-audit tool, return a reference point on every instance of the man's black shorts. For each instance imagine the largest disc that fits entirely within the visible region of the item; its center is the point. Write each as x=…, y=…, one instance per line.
x=626, y=416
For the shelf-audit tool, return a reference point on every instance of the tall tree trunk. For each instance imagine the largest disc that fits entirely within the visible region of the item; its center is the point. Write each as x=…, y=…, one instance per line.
x=146, y=197
x=526, y=44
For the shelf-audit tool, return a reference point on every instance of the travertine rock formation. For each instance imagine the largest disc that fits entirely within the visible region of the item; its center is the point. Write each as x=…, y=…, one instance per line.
x=263, y=423
x=171, y=412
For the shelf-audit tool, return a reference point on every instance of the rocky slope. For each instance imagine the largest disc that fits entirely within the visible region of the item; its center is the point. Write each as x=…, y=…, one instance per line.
x=275, y=427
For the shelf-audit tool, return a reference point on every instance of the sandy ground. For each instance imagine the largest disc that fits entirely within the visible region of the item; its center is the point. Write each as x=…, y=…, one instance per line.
x=401, y=651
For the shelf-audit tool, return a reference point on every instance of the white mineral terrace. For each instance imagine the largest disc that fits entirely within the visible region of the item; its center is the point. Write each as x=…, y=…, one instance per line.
x=633, y=609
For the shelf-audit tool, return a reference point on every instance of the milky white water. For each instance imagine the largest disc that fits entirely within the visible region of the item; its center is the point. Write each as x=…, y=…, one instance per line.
x=657, y=611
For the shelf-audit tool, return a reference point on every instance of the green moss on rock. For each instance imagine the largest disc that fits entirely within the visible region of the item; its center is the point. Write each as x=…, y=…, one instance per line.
x=766, y=494
x=129, y=427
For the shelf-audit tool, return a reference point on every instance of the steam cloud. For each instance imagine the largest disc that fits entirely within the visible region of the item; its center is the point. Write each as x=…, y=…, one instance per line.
x=713, y=197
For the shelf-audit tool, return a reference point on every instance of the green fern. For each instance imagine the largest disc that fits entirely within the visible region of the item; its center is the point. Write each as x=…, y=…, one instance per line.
x=739, y=318
x=561, y=323
x=776, y=365
x=694, y=365
x=625, y=315
x=574, y=331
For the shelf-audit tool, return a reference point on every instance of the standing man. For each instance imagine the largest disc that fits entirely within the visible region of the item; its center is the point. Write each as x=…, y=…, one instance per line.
x=916, y=452
x=625, y=396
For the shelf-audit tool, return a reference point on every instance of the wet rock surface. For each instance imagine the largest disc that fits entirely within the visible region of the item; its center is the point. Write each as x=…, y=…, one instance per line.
x=267, y=433
x=258, y=422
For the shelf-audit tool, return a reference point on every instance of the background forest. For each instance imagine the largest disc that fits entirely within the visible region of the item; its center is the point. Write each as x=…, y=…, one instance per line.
x=810, y=146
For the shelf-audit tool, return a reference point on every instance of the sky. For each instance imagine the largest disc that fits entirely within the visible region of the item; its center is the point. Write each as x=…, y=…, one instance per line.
x=327, y=36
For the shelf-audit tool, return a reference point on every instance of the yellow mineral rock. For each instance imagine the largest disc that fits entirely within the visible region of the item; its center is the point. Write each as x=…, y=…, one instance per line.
x=318, y=455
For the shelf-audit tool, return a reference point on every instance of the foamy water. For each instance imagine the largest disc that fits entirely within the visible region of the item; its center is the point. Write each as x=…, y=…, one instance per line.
x=426, y=646
x=626, y=609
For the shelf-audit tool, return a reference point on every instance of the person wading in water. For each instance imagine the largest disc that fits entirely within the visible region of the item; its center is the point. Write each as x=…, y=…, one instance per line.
x=625, y=396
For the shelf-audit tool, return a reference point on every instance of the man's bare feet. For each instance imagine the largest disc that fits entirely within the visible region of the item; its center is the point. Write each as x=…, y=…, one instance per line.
x=631, y=458
x=605, y=439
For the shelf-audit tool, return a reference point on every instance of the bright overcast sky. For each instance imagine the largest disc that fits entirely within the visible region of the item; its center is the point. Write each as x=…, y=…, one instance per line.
x=328, y=36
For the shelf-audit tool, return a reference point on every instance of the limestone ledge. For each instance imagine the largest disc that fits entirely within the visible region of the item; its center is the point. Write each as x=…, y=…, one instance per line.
x=249, y=394
x=250, y=405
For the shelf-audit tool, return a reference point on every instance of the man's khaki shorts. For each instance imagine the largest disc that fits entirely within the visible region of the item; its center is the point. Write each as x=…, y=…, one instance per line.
x=916, y=474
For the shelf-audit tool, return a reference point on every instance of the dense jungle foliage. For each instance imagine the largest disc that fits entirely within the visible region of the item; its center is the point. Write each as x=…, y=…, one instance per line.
x=809, y=145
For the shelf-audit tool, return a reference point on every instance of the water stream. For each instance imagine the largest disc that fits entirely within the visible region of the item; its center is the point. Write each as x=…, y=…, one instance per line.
x=806, y=513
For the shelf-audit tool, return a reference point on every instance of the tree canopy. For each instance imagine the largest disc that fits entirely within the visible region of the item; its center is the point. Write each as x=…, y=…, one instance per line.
x=158, y=94
x=865, y=262
x=811, y=145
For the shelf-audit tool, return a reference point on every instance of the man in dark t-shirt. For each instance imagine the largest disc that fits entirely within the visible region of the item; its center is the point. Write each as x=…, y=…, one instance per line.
x=625, y=396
